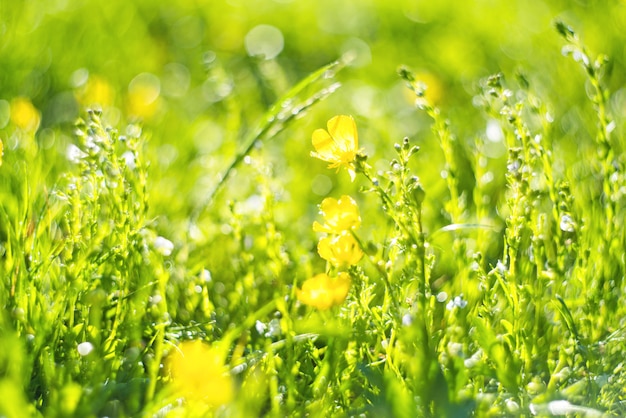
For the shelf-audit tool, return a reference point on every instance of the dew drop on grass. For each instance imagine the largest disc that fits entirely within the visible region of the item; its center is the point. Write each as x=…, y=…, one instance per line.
x=205, y=276
x=18, y=313
x=512, y=406
x=84, y=348
x=610, y=127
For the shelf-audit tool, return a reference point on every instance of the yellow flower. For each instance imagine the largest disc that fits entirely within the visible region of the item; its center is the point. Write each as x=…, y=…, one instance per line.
x=341, y=250
x=24, y=115
x=97, y=91
x=339, y=145
x=322, y=292
x=339, y=215
x=199, y=374
x=144, y=96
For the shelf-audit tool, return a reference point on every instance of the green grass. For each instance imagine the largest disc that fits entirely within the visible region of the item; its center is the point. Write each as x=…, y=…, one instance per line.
x=160, y=190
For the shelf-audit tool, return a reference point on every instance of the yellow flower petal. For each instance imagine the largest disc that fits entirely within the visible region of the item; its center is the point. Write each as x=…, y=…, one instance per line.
x=144, y=96
x=343, y=129
x=338, y=145
x=199, y=374
x=341, y=251
x=24, y=115
x=97, y=91
x=342, y=287
x=324, y=145
x=322, y=292
x=339, y=215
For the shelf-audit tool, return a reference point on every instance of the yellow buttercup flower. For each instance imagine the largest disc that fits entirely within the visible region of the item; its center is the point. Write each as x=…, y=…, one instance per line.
x=199, y=374
x=339, y=144
x=144, y=96
x=323, y=292
x=24, y=115
x=97, y=91
x=339, y=215
x=341, y=250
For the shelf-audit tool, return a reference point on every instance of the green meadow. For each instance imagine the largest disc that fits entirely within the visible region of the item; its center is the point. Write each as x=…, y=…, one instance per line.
x=277, y=208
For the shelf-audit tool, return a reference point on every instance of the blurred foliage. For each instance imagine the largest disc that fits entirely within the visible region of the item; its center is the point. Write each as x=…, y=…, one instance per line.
x=207, y=89
x=196, y=78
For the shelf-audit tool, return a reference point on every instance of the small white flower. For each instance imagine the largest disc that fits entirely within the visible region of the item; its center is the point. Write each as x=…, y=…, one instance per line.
x=567, y=224
x=74, y=154
x=163, y=245
x=511, y=405
x=457, y=302
x=129, y=159
x=274, y=328
x=260, y=327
